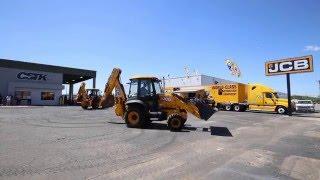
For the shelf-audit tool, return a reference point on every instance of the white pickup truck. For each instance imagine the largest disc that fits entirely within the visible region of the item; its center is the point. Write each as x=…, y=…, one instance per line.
x=304, y=106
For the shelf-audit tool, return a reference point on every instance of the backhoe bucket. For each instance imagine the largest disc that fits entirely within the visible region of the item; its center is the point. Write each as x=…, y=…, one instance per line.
x=205, y=110
x=107, y=102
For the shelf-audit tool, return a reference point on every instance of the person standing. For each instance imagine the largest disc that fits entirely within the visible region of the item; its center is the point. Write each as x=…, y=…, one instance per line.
x=8, y=100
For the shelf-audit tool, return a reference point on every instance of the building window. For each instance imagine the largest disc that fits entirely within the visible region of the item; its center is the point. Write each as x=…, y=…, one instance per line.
x=23, y=95
x=47, y=96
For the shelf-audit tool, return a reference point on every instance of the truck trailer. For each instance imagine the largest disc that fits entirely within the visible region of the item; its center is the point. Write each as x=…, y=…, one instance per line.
x=240, y=97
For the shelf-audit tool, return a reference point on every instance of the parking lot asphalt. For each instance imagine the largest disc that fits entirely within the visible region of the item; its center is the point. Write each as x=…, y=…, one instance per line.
x=70, y=143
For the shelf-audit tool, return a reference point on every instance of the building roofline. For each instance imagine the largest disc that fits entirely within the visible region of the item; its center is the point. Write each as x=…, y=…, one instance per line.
x=185, y=76
x=195, y=76
x=9, y=63
x=68, y=73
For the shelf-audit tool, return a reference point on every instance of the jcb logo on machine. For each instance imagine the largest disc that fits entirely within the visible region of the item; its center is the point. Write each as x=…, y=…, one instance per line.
x=291, y=65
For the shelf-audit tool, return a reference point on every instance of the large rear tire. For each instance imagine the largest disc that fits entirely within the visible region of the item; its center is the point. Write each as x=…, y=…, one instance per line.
x=175, y=122
x=134, y=117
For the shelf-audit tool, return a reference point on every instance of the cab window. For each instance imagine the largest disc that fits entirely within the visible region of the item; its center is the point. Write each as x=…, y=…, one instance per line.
x=133, y=90
x=269, y=95
x=145, y=88
x=157, y=87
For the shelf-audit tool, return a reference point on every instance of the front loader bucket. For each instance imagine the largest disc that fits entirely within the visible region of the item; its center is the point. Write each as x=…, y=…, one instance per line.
x=205, y=110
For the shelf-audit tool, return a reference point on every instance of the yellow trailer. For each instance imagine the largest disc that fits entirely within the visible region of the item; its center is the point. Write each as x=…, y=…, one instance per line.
x=229, y=96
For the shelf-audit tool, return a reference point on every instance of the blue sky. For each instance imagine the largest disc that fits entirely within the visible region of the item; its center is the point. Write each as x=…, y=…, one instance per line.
x=161, y=37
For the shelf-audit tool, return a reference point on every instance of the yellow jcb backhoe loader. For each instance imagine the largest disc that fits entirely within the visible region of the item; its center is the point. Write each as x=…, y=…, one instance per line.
x=92, y=98
x=147, y=101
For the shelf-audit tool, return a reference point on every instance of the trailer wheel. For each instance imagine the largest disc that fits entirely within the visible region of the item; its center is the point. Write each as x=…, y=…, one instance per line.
x=228, y=107
x=237, y=107
x=175, y=122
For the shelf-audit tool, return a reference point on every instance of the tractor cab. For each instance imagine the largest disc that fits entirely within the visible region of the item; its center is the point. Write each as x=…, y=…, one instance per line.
x=145, y=90
x=93, y=93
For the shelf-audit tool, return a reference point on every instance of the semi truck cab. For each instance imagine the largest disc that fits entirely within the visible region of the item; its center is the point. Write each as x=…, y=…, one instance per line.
x=264, y=98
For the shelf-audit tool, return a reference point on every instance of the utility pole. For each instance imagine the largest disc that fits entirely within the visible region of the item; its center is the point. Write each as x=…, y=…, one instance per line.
x=289, y=95
x=319, y=88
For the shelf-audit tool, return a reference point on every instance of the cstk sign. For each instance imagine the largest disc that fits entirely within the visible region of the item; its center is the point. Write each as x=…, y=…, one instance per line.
x=289, y=66
x=32, y=76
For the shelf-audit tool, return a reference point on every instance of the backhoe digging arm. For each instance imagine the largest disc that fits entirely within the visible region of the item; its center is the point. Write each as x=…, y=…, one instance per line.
x=82, y=93
x=120, y=95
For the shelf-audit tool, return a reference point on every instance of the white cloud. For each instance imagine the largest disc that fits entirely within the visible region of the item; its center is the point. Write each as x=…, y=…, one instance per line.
x=312, y=48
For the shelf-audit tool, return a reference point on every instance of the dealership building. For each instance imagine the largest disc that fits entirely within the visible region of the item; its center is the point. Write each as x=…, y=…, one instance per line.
x=39, y=84
x=194, y=81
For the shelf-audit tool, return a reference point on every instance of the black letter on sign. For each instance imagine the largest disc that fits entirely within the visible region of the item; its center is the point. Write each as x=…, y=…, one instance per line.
x=42, y=77
x=22, y=75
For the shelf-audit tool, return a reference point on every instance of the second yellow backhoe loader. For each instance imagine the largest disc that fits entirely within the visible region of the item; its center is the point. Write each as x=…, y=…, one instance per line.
x=92, y=98
x=146, y=101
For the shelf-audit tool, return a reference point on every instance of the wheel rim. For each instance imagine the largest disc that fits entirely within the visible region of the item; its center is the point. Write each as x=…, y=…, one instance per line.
x=228, y=108
x=175, y=123
x=236, y=108
x=133, y=117
x=281, y=110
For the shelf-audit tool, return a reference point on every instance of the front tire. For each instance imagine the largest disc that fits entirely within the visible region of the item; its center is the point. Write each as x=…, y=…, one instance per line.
x=175, y=122
x=134, y=117
x=281, y=110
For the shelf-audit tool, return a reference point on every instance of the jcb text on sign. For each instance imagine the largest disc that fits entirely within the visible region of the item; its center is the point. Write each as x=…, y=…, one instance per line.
x=291, y=65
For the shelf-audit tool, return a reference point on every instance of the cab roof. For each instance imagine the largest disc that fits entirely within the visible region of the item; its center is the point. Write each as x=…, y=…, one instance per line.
x=144, y=77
